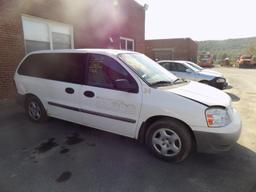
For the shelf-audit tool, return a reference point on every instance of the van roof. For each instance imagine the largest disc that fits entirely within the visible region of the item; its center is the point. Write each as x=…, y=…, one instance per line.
x=177, y=61
x=102, y=51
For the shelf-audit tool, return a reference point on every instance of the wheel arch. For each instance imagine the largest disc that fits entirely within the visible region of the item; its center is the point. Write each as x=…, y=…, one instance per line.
x=28, y=95
x=145, y=127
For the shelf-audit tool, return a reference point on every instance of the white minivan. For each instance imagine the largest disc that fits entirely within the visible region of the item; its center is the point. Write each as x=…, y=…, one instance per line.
x=128, y=94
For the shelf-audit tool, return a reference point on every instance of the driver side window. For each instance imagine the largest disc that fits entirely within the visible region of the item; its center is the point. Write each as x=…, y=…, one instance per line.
x=103, y=71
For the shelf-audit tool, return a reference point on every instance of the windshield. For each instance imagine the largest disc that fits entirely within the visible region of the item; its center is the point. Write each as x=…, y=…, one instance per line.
x=195, y=66
x=246, y=57
x=148, y=70
x=204, y=57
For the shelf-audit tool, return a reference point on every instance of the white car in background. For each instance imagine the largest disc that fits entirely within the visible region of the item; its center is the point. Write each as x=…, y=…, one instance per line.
x=192, y=71
x=128, y=94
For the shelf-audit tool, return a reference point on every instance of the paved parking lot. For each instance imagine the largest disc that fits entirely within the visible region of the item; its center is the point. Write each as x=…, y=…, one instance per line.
x=63, y=157
x=243, y=93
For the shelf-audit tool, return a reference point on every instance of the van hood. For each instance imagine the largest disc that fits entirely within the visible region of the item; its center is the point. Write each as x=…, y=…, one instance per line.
x=210, y=73
x=203, y=94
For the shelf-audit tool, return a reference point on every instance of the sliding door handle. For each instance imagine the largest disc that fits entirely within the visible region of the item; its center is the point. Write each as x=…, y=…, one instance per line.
x=89, y=94
x=69, y=90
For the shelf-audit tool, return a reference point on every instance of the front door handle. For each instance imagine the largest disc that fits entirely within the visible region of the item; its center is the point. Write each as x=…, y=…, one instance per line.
x=89, y=94
x=69, y=90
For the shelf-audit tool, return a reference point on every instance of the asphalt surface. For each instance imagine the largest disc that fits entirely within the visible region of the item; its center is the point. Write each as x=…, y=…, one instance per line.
x=58, y=156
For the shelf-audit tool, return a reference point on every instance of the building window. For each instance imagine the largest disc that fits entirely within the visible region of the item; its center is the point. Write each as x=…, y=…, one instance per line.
x=42, y=34
x=126, y=44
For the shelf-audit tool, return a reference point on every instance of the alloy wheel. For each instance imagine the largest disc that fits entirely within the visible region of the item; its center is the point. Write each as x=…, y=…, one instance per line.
x=166, y=142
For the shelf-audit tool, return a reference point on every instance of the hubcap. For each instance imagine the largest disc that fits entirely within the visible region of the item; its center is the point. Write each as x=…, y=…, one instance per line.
x=34, y=110
x=166, y=142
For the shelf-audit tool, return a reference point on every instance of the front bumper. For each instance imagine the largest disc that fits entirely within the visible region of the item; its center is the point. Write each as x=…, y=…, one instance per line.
x=222, y=139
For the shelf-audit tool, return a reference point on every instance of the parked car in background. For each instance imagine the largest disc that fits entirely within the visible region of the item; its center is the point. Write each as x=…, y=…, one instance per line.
x=128, y=94
x=192, y=71
x=246, y=61
x=205, y=59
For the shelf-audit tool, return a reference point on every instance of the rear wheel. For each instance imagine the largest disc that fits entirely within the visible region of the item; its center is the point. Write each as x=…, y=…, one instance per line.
x=35, y=110
x=169, y=140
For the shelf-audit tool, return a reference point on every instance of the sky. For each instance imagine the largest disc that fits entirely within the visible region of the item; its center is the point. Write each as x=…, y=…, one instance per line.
x=200, y=19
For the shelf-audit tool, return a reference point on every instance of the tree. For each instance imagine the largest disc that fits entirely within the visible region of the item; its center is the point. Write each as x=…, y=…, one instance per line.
x=251, y=50
x=224, y=56
x=214, y=57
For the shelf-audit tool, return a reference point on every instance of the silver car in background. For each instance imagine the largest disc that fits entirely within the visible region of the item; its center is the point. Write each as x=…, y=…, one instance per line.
x=192, y=71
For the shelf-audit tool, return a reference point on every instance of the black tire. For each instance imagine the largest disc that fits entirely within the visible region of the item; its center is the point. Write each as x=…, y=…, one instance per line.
x=37, y=115
x=221, y=87
x=173, y=128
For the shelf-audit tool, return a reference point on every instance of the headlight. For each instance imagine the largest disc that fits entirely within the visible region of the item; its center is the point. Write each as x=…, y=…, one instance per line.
x=220, y=80
x=217, y=117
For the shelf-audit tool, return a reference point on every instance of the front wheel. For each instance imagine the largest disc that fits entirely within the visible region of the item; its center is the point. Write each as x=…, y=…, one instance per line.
x=169, y=140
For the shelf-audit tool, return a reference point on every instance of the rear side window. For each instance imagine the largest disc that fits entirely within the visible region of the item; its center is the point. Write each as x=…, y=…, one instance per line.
x=55, y=66
x=169, y=66
x=165, y=65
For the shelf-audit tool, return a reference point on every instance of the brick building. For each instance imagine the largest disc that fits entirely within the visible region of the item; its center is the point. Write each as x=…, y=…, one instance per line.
x=176, y=49
x=28, y=25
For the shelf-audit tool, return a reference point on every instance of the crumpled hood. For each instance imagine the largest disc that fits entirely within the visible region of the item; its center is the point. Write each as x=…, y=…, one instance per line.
x=210, y=73
x=203, y=93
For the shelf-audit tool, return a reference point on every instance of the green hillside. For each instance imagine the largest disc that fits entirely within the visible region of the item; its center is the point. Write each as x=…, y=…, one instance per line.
x=230, y=48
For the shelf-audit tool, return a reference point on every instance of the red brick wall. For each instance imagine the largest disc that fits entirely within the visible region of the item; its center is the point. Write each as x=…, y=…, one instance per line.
x=184, y=49
x=94, y=21
x=134, y=25
x=11, y=46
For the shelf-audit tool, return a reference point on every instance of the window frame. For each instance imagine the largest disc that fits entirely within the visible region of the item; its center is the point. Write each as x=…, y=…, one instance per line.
x=49, y=24
x=126, y=43
x=131, y=78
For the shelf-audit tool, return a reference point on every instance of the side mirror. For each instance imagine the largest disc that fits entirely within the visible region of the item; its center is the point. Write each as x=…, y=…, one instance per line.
x=125, y=85
x=189, y=71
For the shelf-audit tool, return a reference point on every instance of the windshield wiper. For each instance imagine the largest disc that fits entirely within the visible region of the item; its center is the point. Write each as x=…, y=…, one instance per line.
x=161, y=83
x=178, y=80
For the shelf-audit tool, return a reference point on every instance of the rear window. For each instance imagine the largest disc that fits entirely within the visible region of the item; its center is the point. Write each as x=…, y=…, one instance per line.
x=55, y=66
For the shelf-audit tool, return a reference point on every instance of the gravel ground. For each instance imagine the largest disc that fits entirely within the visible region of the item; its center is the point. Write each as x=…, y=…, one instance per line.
x=243, y=93
x=58, y=156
